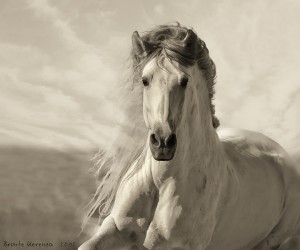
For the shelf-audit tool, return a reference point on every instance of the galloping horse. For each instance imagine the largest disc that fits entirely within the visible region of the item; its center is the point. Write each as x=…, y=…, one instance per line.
x=190, y=186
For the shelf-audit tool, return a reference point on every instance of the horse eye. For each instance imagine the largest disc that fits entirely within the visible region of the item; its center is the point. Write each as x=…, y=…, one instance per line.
x=145, y=82
x=184, y=82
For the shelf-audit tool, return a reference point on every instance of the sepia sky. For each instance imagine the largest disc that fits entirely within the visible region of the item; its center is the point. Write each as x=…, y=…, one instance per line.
x=61, y=61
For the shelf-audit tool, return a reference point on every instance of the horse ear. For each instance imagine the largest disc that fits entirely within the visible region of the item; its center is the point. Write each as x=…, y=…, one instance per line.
x=139, y=46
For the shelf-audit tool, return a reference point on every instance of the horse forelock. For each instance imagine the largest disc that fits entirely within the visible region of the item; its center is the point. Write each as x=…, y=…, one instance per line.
x=112, y=163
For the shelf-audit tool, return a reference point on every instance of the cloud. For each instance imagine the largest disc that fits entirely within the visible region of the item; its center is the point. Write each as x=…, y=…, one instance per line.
x=62, y=65
x=43, y=9
x=257, y=60
x=40, y=96
x=159, y=9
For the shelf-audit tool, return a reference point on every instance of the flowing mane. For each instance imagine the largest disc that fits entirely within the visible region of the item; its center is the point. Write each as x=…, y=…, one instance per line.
x=111, y=164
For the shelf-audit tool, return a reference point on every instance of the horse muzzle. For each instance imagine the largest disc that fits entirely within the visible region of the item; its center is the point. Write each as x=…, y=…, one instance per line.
x=163, y=147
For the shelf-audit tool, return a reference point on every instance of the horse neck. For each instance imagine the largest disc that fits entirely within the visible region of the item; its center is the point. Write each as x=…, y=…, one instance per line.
x=201, y=148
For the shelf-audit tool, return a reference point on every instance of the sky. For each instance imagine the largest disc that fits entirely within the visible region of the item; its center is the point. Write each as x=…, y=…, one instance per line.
x=62, y=61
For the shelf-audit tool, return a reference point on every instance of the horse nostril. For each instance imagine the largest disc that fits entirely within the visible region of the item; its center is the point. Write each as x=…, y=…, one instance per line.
x=154, y=140
x=171, y=141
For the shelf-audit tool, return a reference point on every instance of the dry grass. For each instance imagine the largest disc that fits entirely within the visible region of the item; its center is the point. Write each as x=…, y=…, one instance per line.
x=43, y=193
x=42, y=196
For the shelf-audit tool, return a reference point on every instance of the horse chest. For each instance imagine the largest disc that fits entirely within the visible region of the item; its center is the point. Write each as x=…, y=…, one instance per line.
x=166, y=228
x=176, y=223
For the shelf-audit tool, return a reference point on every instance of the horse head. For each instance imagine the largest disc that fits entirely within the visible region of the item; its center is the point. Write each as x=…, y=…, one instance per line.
x=169, y=60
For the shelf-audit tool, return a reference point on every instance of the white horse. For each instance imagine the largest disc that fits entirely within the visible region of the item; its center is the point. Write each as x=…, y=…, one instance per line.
x=191, y=187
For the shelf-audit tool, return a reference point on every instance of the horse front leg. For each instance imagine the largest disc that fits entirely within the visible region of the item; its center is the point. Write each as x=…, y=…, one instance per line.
x=108, y=237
